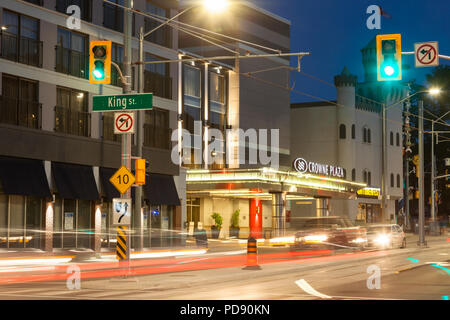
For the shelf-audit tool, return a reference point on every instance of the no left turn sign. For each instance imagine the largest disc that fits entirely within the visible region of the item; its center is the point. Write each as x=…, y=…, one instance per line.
x=426, y=54
x=123, y=122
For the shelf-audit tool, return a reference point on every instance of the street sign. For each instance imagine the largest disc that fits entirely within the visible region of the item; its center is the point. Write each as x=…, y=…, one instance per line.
x=426, y=54
x=121, y=211
x=123, y=179
x=123, y=102
x=123, y=122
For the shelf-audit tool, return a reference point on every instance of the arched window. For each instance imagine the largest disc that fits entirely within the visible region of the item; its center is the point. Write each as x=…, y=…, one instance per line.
x=365, y=176
x=398, y=181
x=392, y=180
x=392, y=138
x=368, y=136
x=342, y=133
x=353, y=131
x=353, y=174
x=397, y=139
x=345, y=174
x=369, y=179
x=364, y=134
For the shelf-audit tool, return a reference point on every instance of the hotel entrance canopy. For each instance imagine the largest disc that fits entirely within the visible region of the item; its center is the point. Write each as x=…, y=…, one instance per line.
x=261, y=182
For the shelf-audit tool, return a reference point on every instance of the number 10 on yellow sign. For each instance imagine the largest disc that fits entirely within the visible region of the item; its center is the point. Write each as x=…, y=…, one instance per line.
x=123, y=179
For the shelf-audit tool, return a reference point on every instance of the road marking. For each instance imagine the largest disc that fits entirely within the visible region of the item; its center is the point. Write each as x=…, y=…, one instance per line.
x=191, y=261
x=308, y=289
x=440, y=267
x=443, y=254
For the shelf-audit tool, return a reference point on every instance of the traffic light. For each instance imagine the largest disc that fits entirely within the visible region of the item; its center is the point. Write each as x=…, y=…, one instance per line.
x=389, y=57
x=100, y=62
x=139, y=168
x=416, y=163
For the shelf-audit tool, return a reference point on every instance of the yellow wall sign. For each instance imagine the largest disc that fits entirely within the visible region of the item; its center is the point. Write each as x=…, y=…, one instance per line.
x=369, y=192
x=123, y=179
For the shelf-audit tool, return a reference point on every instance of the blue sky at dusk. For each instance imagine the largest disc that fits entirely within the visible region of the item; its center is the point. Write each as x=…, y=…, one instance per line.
x=335, y=31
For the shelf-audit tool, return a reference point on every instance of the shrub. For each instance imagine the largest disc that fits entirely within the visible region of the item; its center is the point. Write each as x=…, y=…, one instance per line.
x=235, y=218
x=218, y=220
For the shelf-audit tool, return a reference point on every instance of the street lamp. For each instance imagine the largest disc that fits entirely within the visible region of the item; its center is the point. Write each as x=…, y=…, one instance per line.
x=215, y=5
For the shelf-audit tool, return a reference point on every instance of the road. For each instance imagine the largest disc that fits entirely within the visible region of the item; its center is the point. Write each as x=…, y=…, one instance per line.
x=411, y=273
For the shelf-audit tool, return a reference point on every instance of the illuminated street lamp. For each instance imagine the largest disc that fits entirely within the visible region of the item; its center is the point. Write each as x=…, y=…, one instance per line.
x=215, y=5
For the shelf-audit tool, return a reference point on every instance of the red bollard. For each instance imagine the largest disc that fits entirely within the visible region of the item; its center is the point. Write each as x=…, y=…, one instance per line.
x=252, y=255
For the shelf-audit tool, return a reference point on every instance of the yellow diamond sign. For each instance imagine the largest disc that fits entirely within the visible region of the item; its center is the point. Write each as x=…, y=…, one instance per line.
x=123, y=179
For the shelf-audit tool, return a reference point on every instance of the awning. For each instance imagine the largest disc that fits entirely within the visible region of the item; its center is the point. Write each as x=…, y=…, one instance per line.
x=160, y=190
x=109, y=191
x=24, y=177
x=75, y=181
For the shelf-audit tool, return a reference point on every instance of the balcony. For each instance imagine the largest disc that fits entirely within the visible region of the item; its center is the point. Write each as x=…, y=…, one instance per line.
x=72, y=62
x=157, y=84
x=19, y=112
x=72, y=122
x=157, y=137
x=20, y=49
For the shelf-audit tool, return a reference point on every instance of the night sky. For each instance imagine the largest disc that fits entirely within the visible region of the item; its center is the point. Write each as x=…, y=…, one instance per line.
x=334, y=31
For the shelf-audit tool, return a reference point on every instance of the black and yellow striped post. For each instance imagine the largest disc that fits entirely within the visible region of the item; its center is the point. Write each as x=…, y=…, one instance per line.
x=121, y=245
x=252, y=255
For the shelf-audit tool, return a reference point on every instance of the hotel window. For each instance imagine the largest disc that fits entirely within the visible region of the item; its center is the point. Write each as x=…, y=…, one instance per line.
x=398, y=181
x=342, y=131
x=391, y=138
x=156, y=129
x=365, y=176
x=71, y=53
x=369, y=178
x=117, y=57
x=397, y=139
x=157, y=77
x=20, y=40
x=353, y=174
x=392, y=180
x=19, y=103
x=368, y=136
x=353, y=131
x=161, y=36
x=71, y=112
x=113, y=15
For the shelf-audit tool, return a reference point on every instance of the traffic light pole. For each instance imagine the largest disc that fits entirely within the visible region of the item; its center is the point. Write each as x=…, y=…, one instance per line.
x=421, y=242
x=383, y=165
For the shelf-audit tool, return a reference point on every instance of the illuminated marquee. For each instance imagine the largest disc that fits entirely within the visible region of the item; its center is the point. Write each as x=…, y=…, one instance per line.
x=369, y=192
x=303, y=166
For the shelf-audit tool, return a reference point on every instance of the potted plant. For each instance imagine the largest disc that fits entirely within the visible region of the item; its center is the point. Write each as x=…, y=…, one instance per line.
x=215, y=229
x=234, y=227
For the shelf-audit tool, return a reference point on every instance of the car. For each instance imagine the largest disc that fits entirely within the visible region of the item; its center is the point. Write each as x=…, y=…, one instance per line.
x=386, y=236
x=331, y=232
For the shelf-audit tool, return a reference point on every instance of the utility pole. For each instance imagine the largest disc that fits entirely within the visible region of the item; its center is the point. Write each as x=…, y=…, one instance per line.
x=421, y=242
x=407, y=153
x=383, y=165
x=126, y=138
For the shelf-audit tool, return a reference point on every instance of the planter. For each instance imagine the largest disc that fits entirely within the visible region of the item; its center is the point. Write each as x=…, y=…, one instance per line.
x=234, y=232
x=215, y=233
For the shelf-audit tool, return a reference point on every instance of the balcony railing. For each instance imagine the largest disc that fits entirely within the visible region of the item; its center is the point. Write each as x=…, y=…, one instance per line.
x=19, y=112
x=72, y=62
x=72, y=122
x=157, y=137
x=21, y=49
x=159, y=85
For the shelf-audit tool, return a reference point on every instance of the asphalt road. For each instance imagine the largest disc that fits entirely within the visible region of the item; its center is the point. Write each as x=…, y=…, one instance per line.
x=411, y=273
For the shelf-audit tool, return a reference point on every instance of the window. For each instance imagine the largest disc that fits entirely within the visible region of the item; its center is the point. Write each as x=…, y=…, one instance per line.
x=397, y=139
x=117, y=57
x=392, y=180
x=71, y=54
x=157, y=77
x=19, y=103
x=398, y=181
x=71, y=114
x=85, y=6
x=157, y=133
x=368, y=136
x=365, y=176
x=20, y=41
x=369, y=178
x=353, y=174
x=345, y=174
x=161, y=36
x=364, y=134
x=113, y=15
x=342, y=131
x=391, y=138
x=353, y=131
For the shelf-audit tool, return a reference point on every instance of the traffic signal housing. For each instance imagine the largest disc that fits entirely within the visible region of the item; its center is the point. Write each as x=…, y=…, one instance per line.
x=389, y=57
x=100, y=62
x=139, y=168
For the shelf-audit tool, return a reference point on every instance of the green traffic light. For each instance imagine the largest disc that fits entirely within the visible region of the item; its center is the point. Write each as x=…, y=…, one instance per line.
x=389, y=70
x=99, y=70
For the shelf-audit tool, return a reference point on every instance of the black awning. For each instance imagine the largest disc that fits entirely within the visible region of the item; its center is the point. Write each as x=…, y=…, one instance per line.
x=160, y=189
x=75, y=181
x=109, y=191
x=24, y=177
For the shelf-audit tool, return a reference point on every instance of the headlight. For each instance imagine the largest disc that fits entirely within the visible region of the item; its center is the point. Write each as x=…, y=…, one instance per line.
x=316, y=238
x=382, y=239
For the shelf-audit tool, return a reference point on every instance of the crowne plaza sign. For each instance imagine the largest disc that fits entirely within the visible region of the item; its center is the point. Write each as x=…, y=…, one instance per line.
x=303, y=166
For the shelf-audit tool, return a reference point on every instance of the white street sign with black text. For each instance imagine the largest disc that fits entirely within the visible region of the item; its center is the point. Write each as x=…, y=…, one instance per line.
x=123, y=122
x=426, y=54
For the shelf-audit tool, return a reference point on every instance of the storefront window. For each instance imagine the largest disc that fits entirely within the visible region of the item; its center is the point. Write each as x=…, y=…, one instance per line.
x=193, y=211
x=33, y=222
x=84, y=224
x=3, y=220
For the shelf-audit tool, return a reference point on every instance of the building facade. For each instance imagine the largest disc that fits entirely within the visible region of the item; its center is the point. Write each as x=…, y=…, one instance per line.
x=348, y=133
x=57, y=156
